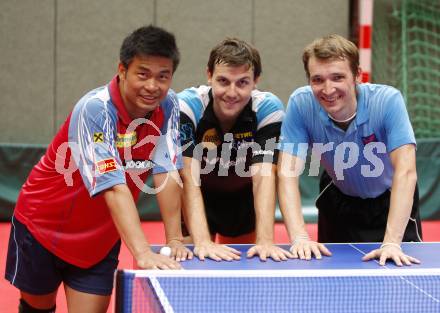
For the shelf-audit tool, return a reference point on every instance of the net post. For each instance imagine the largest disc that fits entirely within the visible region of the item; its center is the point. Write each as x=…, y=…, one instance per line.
x=123, y=291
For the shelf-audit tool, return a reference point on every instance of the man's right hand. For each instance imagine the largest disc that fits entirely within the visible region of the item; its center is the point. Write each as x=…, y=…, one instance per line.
x=153, y=261
x=216, y=252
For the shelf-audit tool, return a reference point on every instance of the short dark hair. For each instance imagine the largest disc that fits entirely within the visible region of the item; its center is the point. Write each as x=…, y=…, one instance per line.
x=149, y=40
x=235, y=52
x=332, y=47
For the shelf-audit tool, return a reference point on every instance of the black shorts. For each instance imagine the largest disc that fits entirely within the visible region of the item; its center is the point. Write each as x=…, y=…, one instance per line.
x=343, y=218
x=33, y=269
x=229, y=214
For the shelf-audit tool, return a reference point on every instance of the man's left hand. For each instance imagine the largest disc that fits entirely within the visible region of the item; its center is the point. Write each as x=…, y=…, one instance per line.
x=390, y=251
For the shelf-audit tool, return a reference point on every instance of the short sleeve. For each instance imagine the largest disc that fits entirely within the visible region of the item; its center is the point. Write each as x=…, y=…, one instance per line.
x=92, y=132
x=397, y=124
x=191, y=110
x=294, y=137
x=270, y=114
x=167, y=155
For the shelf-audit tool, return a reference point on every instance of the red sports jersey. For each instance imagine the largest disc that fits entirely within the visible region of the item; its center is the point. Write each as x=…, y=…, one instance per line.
x=97, y=147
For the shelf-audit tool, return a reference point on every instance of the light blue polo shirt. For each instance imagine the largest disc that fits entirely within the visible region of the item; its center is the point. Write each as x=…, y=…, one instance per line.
x=357, y=159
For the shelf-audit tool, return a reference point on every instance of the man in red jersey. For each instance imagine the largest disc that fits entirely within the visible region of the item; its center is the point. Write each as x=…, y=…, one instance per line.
x=79, y=200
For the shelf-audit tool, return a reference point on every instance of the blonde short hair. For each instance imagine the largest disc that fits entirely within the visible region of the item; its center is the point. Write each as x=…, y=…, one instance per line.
x=329, y=48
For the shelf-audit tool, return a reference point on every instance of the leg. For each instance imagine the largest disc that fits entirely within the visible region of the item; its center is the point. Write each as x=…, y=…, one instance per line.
x=31, y=268
x=81, y=302
x=45, y=303
x=88, y=290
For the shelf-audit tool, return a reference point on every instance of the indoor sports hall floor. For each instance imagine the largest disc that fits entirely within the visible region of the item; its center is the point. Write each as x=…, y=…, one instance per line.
x=155, y=233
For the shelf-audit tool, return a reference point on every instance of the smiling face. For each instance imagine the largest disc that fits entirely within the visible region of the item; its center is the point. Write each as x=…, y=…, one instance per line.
x=145, y=83
x=231, y=89
x=334, y=86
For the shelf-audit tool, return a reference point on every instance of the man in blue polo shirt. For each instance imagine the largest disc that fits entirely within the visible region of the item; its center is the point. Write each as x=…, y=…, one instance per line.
x=362, y=136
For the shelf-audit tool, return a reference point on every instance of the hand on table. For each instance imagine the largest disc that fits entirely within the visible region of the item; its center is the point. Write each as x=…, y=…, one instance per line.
x=178, y=250
x=153, y=261
x=390, y=251
x=269, y=250
x=216, y=252
x=303, y=248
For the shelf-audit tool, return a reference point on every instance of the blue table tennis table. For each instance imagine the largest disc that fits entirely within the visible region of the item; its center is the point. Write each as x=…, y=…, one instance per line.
x=340, y=283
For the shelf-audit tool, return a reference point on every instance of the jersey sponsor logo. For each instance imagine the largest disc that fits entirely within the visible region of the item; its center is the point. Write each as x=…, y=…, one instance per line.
x=138, y=165
x=98, y=137
x=211, y=139
x=244, y=135
x=126, y=140
x=262, y=152
x=105, y=166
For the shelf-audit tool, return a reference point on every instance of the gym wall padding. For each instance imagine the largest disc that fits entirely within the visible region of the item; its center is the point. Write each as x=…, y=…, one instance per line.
x=16, y=161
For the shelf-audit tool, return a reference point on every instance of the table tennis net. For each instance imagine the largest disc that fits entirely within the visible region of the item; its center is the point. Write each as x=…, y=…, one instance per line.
x=276, y=291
